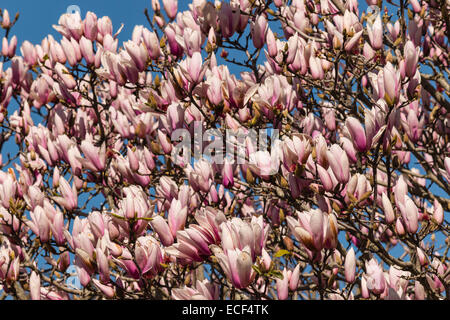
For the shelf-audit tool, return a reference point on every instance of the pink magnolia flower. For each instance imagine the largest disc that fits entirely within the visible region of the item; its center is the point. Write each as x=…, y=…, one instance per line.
x=138, y=54
x=259, y=31
x=375, y=32
x=70, y=25
x=296, y=151
x=177, y=216
x=388, y=210
x=315, y=66
x=69, y=195
x=228, y=19
x=35, y=286
x=107, y=289
x=264, y=163
x=8, y=189
x=194, y=242
x=90, y=26
x=95, y=156
x=357, y=133
x=391, y=78
x=192, y=245
x=29, y=52
x=97, y=224
x=9, y=49
x=161, y=227
x=413, y=127
x=315, y=229
x=283, y=286
x=148, y=256
x=6, y=21
x=411, y=54
x=410, y=214
x=272, y=46
x=350, y=266
x=358, y=186
x=438, y=212
x=171, y=8
x=228, y=174
x=152, y=44
x=240, y=234
x=237, y=265
x=376, y=282
x=194, y=70
x=338, y=161
x=214, y=90
x=203, y=290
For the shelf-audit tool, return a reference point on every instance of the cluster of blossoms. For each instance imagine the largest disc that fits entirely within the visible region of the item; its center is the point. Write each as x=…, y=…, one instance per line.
x=350, y=203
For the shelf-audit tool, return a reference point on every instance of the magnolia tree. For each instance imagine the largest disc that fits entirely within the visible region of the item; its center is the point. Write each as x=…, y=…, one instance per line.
x=251, y=149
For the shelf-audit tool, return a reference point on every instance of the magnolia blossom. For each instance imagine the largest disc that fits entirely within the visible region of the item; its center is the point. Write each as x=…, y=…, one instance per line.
x=228, y=150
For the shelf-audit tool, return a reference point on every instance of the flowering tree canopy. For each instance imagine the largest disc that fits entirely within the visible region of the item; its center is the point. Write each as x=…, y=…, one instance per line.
x=251, y=149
